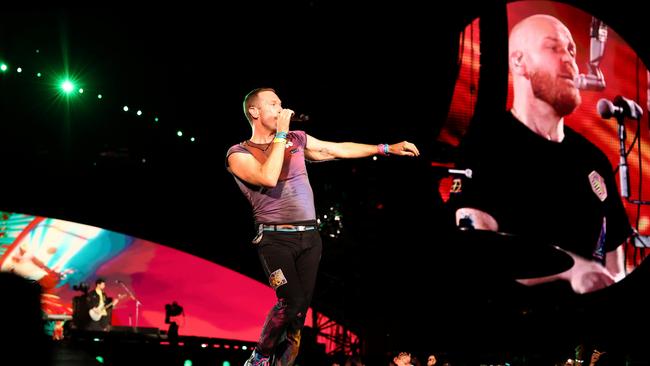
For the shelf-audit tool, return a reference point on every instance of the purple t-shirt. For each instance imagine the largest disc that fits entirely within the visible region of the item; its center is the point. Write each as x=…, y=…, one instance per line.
x=292, y=199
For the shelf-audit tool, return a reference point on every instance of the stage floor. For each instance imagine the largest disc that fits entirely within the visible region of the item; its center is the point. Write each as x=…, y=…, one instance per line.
x=146, y=348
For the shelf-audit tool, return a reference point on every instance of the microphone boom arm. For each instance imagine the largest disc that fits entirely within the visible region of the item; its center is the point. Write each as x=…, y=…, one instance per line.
x=137, y=304
x=594, y=80
x=129, y=292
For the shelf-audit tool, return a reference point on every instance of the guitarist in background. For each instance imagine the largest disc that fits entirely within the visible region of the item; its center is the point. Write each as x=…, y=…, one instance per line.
x=99, y=302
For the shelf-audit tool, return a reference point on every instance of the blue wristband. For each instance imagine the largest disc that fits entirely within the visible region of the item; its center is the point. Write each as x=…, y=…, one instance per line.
x=281, y=135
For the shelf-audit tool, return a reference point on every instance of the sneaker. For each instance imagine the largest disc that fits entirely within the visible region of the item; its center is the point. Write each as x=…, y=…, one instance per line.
x=257, y=360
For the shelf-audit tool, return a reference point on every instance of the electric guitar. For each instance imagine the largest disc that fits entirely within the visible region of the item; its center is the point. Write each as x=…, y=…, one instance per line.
x=98, y=312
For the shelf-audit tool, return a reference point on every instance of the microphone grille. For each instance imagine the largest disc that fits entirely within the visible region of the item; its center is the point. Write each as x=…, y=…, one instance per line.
x=579, y=81
x=605, y=108
x=300, y=118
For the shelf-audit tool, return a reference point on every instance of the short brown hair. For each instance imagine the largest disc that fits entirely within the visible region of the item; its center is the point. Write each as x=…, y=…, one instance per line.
x=250, y=98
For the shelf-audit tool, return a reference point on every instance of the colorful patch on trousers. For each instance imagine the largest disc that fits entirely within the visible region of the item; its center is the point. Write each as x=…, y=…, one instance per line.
x=456, y=185
x=277, y=279
x=598, y=185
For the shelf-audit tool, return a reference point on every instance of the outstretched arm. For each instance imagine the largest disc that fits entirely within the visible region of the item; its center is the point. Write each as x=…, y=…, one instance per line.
x=324, y=150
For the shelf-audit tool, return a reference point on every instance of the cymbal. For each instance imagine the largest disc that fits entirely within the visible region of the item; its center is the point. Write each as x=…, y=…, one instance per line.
x=515, y=256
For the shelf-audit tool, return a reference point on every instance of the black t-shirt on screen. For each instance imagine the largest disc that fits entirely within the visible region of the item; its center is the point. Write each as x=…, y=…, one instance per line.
x=563, y=193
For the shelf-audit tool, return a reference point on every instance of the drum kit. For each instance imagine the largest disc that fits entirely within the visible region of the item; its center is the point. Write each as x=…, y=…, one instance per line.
x=509, y=255
x=498, y=253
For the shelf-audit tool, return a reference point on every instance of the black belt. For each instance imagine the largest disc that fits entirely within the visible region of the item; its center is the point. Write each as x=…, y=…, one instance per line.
x=288, y=228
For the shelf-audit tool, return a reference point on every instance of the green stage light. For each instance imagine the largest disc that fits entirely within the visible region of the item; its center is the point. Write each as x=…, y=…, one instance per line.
x=179, y=133
x=225, y=363
x=125, y=108
x=19, y=70
x=155, y=119
x=139, y=112
x=81, y=90
x=3, y=67
x=67, y=86
x=38, y=74
x=99, y=359
x=99, y=96
x=187, y=363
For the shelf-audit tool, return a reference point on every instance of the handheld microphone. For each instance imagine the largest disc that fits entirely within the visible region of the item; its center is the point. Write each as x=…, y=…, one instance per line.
x=299, y=117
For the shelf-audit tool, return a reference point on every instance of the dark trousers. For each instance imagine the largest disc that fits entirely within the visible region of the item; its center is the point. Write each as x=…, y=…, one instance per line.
x=290, y=261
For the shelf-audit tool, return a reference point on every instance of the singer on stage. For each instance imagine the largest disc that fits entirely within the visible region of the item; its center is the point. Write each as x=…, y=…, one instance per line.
x=270, y=170
x=534, y=176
